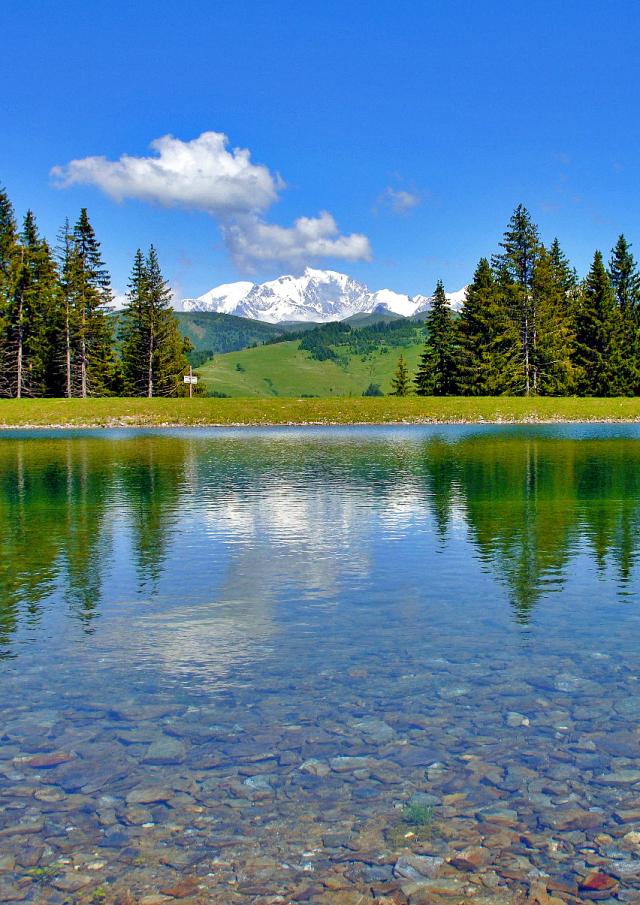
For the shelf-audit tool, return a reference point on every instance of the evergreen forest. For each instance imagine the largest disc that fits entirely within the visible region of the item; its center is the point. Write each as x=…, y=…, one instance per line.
x=529, y=324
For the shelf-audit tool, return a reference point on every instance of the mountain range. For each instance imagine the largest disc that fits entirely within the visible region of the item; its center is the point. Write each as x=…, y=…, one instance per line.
x=316, y=296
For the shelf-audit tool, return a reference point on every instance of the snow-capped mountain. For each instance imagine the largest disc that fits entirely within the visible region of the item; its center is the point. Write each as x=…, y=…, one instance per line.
x=318, y=296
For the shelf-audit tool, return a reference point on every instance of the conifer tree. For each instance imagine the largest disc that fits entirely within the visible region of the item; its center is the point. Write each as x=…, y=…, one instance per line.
x=486, y=338
x=624, y=276
x=514, y=267
x=625, y=280
x=565, y=274
x=153, y=351
x=597, y=354
x=62, y=365
x=9, y=266
x=89, y=286
x=437, y=370
x=9, y=252
x=401, y=382
x=28, y=330
x=551, y=328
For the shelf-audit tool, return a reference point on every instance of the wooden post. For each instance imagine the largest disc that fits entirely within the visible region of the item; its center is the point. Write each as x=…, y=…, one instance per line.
x=190, y=382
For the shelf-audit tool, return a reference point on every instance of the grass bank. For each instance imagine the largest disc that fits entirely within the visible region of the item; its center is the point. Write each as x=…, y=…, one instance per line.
x=16, y=413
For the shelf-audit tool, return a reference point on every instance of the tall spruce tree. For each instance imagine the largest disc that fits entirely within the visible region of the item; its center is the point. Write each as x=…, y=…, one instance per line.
x=92, y=341
x=597, y=352
x=565, y=274
x=401, y=382
x=153, y=351
x=437, y=370
x=28, y=337
x=551, y=325
x=515, y=267
x=624, y=276
x=9, y=269
x=486, y=338
x=625, y=279
x=64, y=325
x=9, y=251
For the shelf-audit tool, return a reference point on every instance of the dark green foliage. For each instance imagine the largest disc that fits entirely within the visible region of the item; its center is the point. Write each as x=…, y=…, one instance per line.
x=551, y=339
x=486, y=338
x=29, y=302
x=373, y=390
x=624, y=276
x=625, y=280
x=224, y=332
x=9, y=252
x=197, y=357
x=336, y=340
x=153, y=352
x=320, y=341
x=565, y=274
x=515, y=267
x=598, y=354
x=9, y=269
x=91, y=340
x=401, y=383
x=437, y=372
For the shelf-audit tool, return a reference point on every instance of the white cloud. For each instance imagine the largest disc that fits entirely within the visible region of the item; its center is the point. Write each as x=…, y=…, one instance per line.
x=251, y=241
x=399, y=201
x=203, y=174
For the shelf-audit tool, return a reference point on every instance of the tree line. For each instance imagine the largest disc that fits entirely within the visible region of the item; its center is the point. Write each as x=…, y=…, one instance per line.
x=58, y=334
x=529, y=326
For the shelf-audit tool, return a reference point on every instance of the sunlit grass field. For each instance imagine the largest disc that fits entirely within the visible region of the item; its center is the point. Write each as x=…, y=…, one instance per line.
x=283, y=369
x=115, y=412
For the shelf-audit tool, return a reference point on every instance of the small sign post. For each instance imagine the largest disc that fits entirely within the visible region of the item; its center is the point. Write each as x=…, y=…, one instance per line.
x=191, y=380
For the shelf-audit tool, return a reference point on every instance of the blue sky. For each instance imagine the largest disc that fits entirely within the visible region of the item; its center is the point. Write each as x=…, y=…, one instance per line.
x=416, y=127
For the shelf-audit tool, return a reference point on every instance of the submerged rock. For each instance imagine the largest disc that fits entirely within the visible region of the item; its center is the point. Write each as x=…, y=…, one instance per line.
x=165, y=749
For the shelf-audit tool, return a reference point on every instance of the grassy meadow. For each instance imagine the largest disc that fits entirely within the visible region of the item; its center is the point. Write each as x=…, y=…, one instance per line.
x=202, y=411
x=283, y=369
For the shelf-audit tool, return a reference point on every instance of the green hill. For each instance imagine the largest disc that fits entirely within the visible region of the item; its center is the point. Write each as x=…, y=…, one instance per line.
x=212, y=333
x=332, y=360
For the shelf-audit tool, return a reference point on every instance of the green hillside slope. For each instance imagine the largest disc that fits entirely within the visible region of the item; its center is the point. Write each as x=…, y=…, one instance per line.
x=283, y=369
x=214, y=333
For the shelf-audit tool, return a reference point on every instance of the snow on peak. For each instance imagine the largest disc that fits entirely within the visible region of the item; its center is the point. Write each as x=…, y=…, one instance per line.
x=316, y=296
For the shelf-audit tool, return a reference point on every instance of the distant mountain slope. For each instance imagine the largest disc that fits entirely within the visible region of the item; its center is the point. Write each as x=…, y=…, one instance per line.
x=317, y=295
x=214, y=333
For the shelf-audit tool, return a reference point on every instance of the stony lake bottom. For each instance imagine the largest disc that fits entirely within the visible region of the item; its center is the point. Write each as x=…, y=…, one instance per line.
x=320, y=665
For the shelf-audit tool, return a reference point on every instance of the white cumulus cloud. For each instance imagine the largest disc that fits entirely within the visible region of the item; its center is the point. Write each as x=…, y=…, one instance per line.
x=204, y=174
x=251, y=241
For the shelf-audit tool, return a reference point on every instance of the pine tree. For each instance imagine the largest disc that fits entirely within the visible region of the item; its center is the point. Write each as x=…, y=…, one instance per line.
x=625, y=280
x=565, y=274
x=437, y=370
x=27, y=311
x=624, y=276
x=598, y=354
x=552, y=335
x=486, y=338
x=515, y=267
x=153, y=351
x=89, y=286
x=9, y=269
x=64, y=326
x=401, y=382
x=9, y=252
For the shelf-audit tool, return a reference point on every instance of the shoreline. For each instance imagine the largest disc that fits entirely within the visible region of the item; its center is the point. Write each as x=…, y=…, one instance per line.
x=206, y=412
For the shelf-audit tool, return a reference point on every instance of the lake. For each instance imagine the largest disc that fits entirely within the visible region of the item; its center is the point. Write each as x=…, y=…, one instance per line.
x=320, y=665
